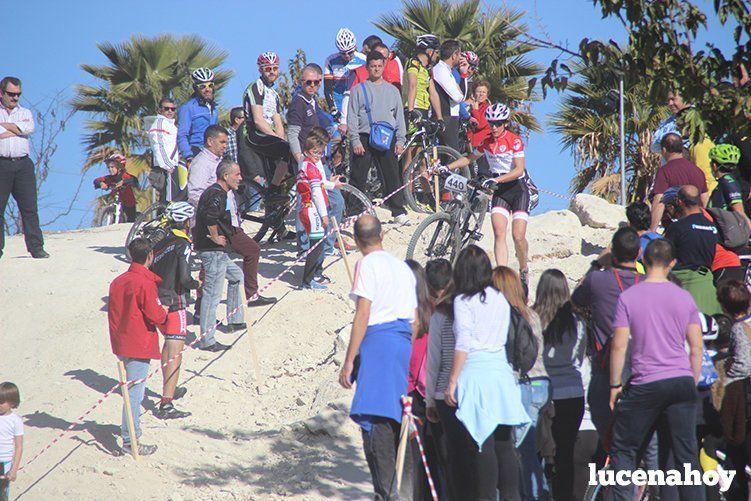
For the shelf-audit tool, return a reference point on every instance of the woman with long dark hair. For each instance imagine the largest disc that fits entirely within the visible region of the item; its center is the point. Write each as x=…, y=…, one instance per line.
x=535, y=388
x=482, y=384
x=563, y=352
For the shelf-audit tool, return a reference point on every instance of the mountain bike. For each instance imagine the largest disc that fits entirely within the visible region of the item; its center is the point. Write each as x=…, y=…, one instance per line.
x=151, y=225
x=111, y=212
x=444, y=234
x=421, y=193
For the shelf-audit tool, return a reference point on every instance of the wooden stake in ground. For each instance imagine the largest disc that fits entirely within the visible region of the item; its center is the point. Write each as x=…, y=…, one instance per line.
x=254, y=356
x=343, y=249
x=402, y=450
x=436, y=187
x=128, y=410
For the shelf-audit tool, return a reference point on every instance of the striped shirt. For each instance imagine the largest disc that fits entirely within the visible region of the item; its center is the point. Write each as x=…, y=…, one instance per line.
x=441, y=341
x=11, y=145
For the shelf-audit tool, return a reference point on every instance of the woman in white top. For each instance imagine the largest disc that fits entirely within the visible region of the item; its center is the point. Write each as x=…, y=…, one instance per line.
x=482, y=384
x=563, y=351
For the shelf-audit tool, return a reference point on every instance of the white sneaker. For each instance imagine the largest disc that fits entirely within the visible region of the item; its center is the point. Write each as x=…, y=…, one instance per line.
x=401, y=220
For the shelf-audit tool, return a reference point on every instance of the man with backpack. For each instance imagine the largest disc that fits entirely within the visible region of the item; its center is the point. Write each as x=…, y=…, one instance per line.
x=597, y=296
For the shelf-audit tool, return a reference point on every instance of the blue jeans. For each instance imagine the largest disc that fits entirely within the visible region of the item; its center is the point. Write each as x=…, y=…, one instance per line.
x=535, y=395
x=217, y=265
x=135, y=368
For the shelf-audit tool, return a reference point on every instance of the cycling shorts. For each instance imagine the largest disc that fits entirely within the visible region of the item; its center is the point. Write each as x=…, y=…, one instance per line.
x=512, y=198
x=411, y=127
x=176, y=326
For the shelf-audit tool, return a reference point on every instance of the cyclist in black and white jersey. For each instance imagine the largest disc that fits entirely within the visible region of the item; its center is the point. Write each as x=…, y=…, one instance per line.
x=264, y=129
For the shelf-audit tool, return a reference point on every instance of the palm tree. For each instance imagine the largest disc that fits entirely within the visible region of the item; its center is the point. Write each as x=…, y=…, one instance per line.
x=588, y=122
x=495, y=34
x=138, y=74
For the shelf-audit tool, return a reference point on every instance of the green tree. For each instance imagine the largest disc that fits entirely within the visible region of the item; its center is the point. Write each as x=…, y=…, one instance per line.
x=495, y=34
x=139, y=72
x=588, y=121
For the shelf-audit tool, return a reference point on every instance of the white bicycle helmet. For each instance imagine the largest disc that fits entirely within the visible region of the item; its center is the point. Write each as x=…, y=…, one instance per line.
x=202, y=75
x=179, y=212
x=268, y=58
x=345, y=40
x=427, y=41
x=497, y=113
x=472, y=58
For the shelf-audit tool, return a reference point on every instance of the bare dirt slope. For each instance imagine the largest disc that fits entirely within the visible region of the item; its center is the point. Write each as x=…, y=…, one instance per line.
x=274, y=430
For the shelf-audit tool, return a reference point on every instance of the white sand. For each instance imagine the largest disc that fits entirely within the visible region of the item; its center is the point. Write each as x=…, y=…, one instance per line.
x=247, y=438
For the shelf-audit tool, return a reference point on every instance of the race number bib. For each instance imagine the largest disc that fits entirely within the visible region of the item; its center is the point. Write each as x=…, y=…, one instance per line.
x=456, y=183
x=316, y=224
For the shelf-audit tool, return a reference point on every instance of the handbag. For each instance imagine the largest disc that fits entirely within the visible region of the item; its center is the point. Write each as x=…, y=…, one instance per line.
x=381, y=133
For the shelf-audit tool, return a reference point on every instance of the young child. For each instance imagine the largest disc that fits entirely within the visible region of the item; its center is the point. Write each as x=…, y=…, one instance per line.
x=119, y=180
x=11, y=437
x=172, y=264
x=313, y=209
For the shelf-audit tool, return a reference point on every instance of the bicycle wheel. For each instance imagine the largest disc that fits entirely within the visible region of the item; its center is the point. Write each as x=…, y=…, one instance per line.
x=436, y=237
x=149, y=225
x=273, y=219
x=420, y=192
x=106, y=216
x=355, y=202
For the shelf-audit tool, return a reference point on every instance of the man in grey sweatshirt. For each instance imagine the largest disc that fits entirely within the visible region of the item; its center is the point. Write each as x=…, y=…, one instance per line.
x=385, y=106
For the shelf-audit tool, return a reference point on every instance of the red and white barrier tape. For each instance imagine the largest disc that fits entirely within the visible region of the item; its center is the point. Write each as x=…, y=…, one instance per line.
x=407, y=414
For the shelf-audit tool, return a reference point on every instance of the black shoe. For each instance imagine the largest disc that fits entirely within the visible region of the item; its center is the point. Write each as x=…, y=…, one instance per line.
x=262, y=301
x=180, y=392
x=237, y=327
x=143, y=449
x=39, y=254
x=324, y=279
x=215, y=347
x=168, y=411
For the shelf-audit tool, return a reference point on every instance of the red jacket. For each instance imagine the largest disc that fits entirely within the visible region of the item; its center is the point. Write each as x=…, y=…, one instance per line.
x=392, y=73
x=134, y=311
x=482, y=130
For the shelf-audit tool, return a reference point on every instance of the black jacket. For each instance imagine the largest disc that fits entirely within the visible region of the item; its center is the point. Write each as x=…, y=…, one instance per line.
x=172, y=264
x=212, y=210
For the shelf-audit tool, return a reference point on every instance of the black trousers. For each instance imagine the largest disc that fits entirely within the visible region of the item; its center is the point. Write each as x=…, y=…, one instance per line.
x=430, y=434
x=450, y=135
x=389, y=167
x=380, y=445
x=565, y=426
x=497, y=467
x=458, y=449
x=17, y=178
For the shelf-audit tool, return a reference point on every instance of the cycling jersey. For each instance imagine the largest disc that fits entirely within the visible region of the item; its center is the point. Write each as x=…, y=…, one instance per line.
x=193, y=118
x=162, y=133
x=449, y=92
x=260, y=94
x=172, y=264
x=127, y=197
x=422, y=96
x=501, y=152
x=727, y=193
x=335, y=78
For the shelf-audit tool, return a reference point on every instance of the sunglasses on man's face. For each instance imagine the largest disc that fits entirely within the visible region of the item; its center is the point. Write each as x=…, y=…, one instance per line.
x=270, y=69
x=12, y=94
x=348, y=53
x=312, y=83
x=499, y=123
x=206, y=85
x=168, y=108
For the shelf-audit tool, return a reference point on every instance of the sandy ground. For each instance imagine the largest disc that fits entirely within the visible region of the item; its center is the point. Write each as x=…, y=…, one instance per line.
x=272, y=430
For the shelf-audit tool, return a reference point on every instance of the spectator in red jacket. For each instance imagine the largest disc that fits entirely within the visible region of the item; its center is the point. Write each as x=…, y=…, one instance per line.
x=119, y=181
x=133, y=312
x=479, y=129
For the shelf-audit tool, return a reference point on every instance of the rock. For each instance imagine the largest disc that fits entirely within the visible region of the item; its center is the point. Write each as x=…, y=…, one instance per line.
x=596, y=212
x=328, y=422
x=175, y=497
x=300, y=402
x=556, y=235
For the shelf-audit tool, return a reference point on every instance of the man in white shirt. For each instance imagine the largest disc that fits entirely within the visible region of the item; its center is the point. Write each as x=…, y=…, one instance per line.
x=450, y=95
x=381, y=337
x=17, y=176
x=163, y=140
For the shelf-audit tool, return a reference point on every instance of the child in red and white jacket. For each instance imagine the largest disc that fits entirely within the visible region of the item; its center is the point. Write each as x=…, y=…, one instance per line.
x=313, y=209
x=120, y=181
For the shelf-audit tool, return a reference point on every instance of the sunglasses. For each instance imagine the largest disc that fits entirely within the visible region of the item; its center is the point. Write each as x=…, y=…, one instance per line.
x=312, y=83
x=12, y=94
x=206, y=85
x=496, y=124
x=169, y=108
x=270, y=69
x=348, y=53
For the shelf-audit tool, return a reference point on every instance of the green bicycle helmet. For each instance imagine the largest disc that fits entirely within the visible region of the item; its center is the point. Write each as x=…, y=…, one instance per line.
x=725, y=154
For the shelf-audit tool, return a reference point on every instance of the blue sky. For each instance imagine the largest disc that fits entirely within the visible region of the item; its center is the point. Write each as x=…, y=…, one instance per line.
x=50, y=40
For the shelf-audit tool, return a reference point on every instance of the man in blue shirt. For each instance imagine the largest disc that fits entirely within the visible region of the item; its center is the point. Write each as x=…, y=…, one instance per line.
x=196, y=115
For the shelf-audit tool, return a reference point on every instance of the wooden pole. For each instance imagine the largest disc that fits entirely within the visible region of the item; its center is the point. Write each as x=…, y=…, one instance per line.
x=343, y=249
x=402, y=450
x=254, y=355
x=128, y=410
x=436, y=181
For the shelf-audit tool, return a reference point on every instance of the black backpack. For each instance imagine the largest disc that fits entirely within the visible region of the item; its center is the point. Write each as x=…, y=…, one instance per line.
x=521, y=345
